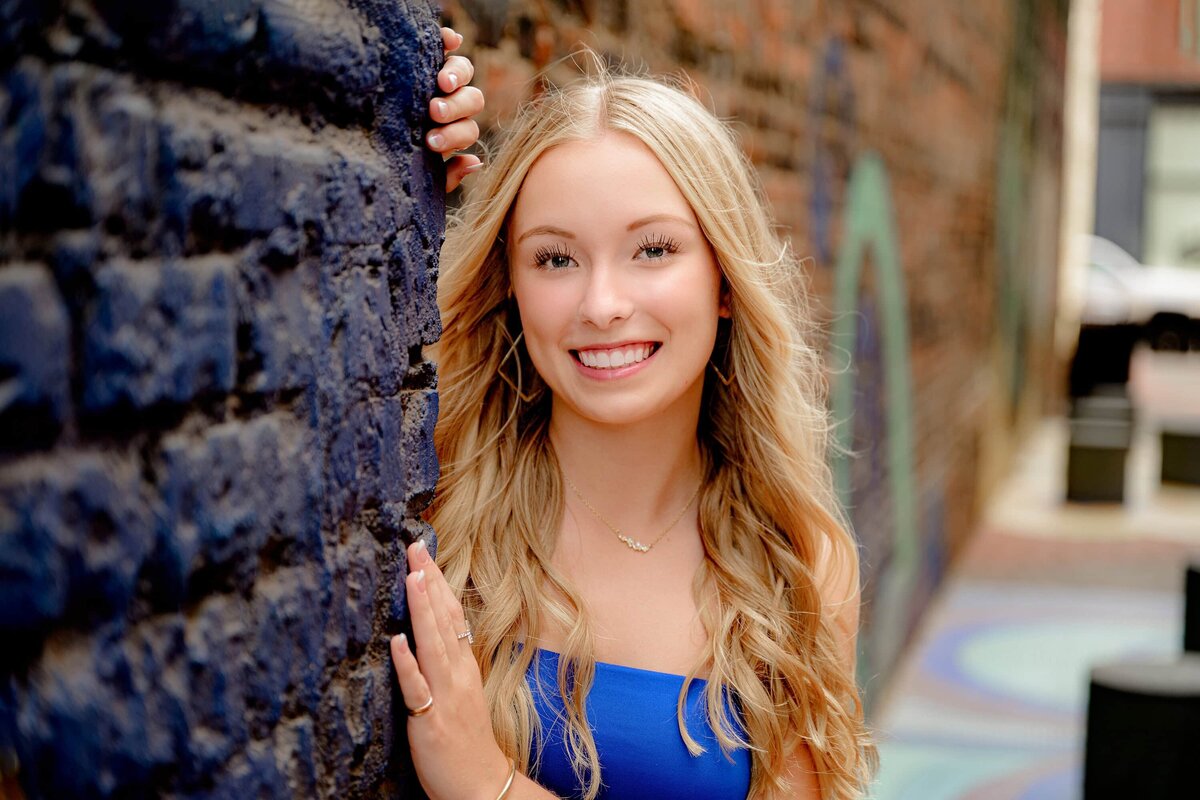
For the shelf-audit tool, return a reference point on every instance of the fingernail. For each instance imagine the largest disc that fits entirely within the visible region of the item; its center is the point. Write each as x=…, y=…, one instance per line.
x=460, y=37
x=441, y=107
x=474, y=167
x=421, y=579
x=436, y=140
x=403, y=640
x=453, y=81
x=421, y=552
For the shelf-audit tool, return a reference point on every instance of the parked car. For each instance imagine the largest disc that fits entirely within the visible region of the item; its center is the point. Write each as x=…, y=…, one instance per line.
x=1163, y=302
x=1126, y=302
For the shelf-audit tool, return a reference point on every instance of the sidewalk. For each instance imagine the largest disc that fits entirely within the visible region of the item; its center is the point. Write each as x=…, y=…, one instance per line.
x=990, y=701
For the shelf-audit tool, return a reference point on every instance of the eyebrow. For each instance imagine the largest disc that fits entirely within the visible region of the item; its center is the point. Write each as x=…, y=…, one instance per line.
x=550, y=230
x=545, y=230
x=659, y=218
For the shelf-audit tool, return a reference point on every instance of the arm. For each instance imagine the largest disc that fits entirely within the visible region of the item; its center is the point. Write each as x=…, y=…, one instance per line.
x=837, y=581
x=453, y=747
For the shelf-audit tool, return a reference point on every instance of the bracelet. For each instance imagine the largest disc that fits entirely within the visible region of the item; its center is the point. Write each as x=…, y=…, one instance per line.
x=512, y=773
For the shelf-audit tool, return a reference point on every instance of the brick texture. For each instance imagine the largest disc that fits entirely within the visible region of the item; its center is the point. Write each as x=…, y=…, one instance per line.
x=218, y=246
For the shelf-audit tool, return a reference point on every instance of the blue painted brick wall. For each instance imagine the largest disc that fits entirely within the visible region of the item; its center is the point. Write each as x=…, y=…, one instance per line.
x=218, y=242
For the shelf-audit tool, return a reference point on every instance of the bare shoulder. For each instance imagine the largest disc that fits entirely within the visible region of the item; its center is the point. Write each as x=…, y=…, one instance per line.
x=837, y=581
x=836, y=574
x=800, y=780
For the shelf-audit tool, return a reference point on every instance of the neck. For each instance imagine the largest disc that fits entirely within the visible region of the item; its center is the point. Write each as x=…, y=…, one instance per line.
x=634, y=473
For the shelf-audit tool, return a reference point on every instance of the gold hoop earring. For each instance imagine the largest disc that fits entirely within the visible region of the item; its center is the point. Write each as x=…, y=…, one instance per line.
x=726, y=382
x=516, y=387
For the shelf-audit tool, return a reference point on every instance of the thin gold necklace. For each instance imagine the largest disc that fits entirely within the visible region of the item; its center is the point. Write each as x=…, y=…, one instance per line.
x=631, y=543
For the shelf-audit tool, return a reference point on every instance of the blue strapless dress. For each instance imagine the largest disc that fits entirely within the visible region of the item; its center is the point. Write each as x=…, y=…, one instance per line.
x=632, y=715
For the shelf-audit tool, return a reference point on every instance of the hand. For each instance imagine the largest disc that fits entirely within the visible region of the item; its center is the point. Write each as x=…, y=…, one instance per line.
x=458, y=131
x=453, y=747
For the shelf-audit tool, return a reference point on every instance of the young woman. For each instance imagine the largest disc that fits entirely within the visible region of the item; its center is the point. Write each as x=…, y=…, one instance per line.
x=644, y=588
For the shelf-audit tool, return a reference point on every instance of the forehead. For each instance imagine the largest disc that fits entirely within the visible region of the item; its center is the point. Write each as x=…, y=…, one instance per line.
x=613, y=178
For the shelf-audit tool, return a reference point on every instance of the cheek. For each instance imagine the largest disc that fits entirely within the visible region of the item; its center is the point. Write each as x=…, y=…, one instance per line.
x=543, y=320
x=699, y=309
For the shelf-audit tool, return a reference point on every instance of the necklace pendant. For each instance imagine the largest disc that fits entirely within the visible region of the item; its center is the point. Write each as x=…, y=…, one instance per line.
x=634, y=544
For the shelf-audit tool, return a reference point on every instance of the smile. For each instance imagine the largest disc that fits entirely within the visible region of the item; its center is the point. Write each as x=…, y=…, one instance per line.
x=615, y=357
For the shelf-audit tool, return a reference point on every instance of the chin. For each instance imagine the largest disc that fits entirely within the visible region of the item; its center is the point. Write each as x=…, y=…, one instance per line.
x=628, y=410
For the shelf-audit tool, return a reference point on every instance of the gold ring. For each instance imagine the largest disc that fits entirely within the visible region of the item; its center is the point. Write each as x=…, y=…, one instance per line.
x=423, y=709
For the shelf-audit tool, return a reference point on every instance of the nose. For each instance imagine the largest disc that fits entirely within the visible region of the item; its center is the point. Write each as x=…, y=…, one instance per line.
x=606, y=298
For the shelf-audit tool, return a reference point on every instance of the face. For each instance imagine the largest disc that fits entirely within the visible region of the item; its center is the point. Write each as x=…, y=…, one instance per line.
x=618, y=290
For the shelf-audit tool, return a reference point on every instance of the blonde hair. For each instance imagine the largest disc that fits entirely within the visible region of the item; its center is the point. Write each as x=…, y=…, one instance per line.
x=767, y=510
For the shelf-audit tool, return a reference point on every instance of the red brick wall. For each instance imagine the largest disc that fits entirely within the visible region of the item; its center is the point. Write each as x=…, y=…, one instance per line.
x=1150, y=41
x=962, y=104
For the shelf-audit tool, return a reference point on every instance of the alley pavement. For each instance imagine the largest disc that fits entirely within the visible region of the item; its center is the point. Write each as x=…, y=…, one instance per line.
x=989, y=702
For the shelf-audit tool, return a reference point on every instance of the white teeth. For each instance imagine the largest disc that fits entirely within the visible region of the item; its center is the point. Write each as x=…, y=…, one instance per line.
x=611, y=359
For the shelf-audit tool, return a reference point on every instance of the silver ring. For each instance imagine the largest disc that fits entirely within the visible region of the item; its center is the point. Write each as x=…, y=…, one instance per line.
x=470, y=637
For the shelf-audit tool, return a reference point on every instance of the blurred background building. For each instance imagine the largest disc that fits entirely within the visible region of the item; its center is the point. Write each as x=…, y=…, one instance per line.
x=1148, y=165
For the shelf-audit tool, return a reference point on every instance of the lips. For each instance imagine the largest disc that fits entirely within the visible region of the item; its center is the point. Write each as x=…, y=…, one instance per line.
x=615, y=357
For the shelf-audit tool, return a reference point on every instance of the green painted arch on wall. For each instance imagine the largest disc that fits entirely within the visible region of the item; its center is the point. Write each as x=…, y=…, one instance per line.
x=868, y=225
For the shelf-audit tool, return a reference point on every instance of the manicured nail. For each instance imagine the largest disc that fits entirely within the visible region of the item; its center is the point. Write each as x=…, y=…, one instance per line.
x=441, y=107
x=474, y=168
x=453, y=81
x=460, y=37
x=421, y=580
x=436, y=140
x=421, y=552
x=403, y=640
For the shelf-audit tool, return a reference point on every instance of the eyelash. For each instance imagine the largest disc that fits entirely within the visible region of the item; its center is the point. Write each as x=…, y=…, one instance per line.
x=666, y=244
x=543, y=255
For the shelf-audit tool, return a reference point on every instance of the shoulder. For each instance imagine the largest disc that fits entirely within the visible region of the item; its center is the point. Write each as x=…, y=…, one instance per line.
x=836, y=574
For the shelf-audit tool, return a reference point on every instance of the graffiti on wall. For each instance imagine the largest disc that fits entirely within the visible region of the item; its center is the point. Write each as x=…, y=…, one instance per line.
x=869, y=231
x=871, y=397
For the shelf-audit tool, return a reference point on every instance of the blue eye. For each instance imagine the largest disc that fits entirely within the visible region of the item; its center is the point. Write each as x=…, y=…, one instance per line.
x=657, y=248
x=553, y=258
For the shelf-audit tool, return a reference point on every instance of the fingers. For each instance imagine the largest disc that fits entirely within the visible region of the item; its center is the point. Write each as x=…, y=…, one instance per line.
x=412, y=683
x=455, y=136
x=466, y=102
x=431, y=647
x=451, y=40
x=441, y=599
x=456, y=72
x=454, y=111
x=456, y=620
x=460, y=167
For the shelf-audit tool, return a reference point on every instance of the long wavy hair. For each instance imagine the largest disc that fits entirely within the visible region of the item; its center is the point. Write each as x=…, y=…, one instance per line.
x=767, y=508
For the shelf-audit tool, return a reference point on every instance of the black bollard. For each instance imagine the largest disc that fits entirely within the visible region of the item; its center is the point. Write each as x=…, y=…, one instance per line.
x=1180, y=440
x=1096, y=458
x=1142, y=731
